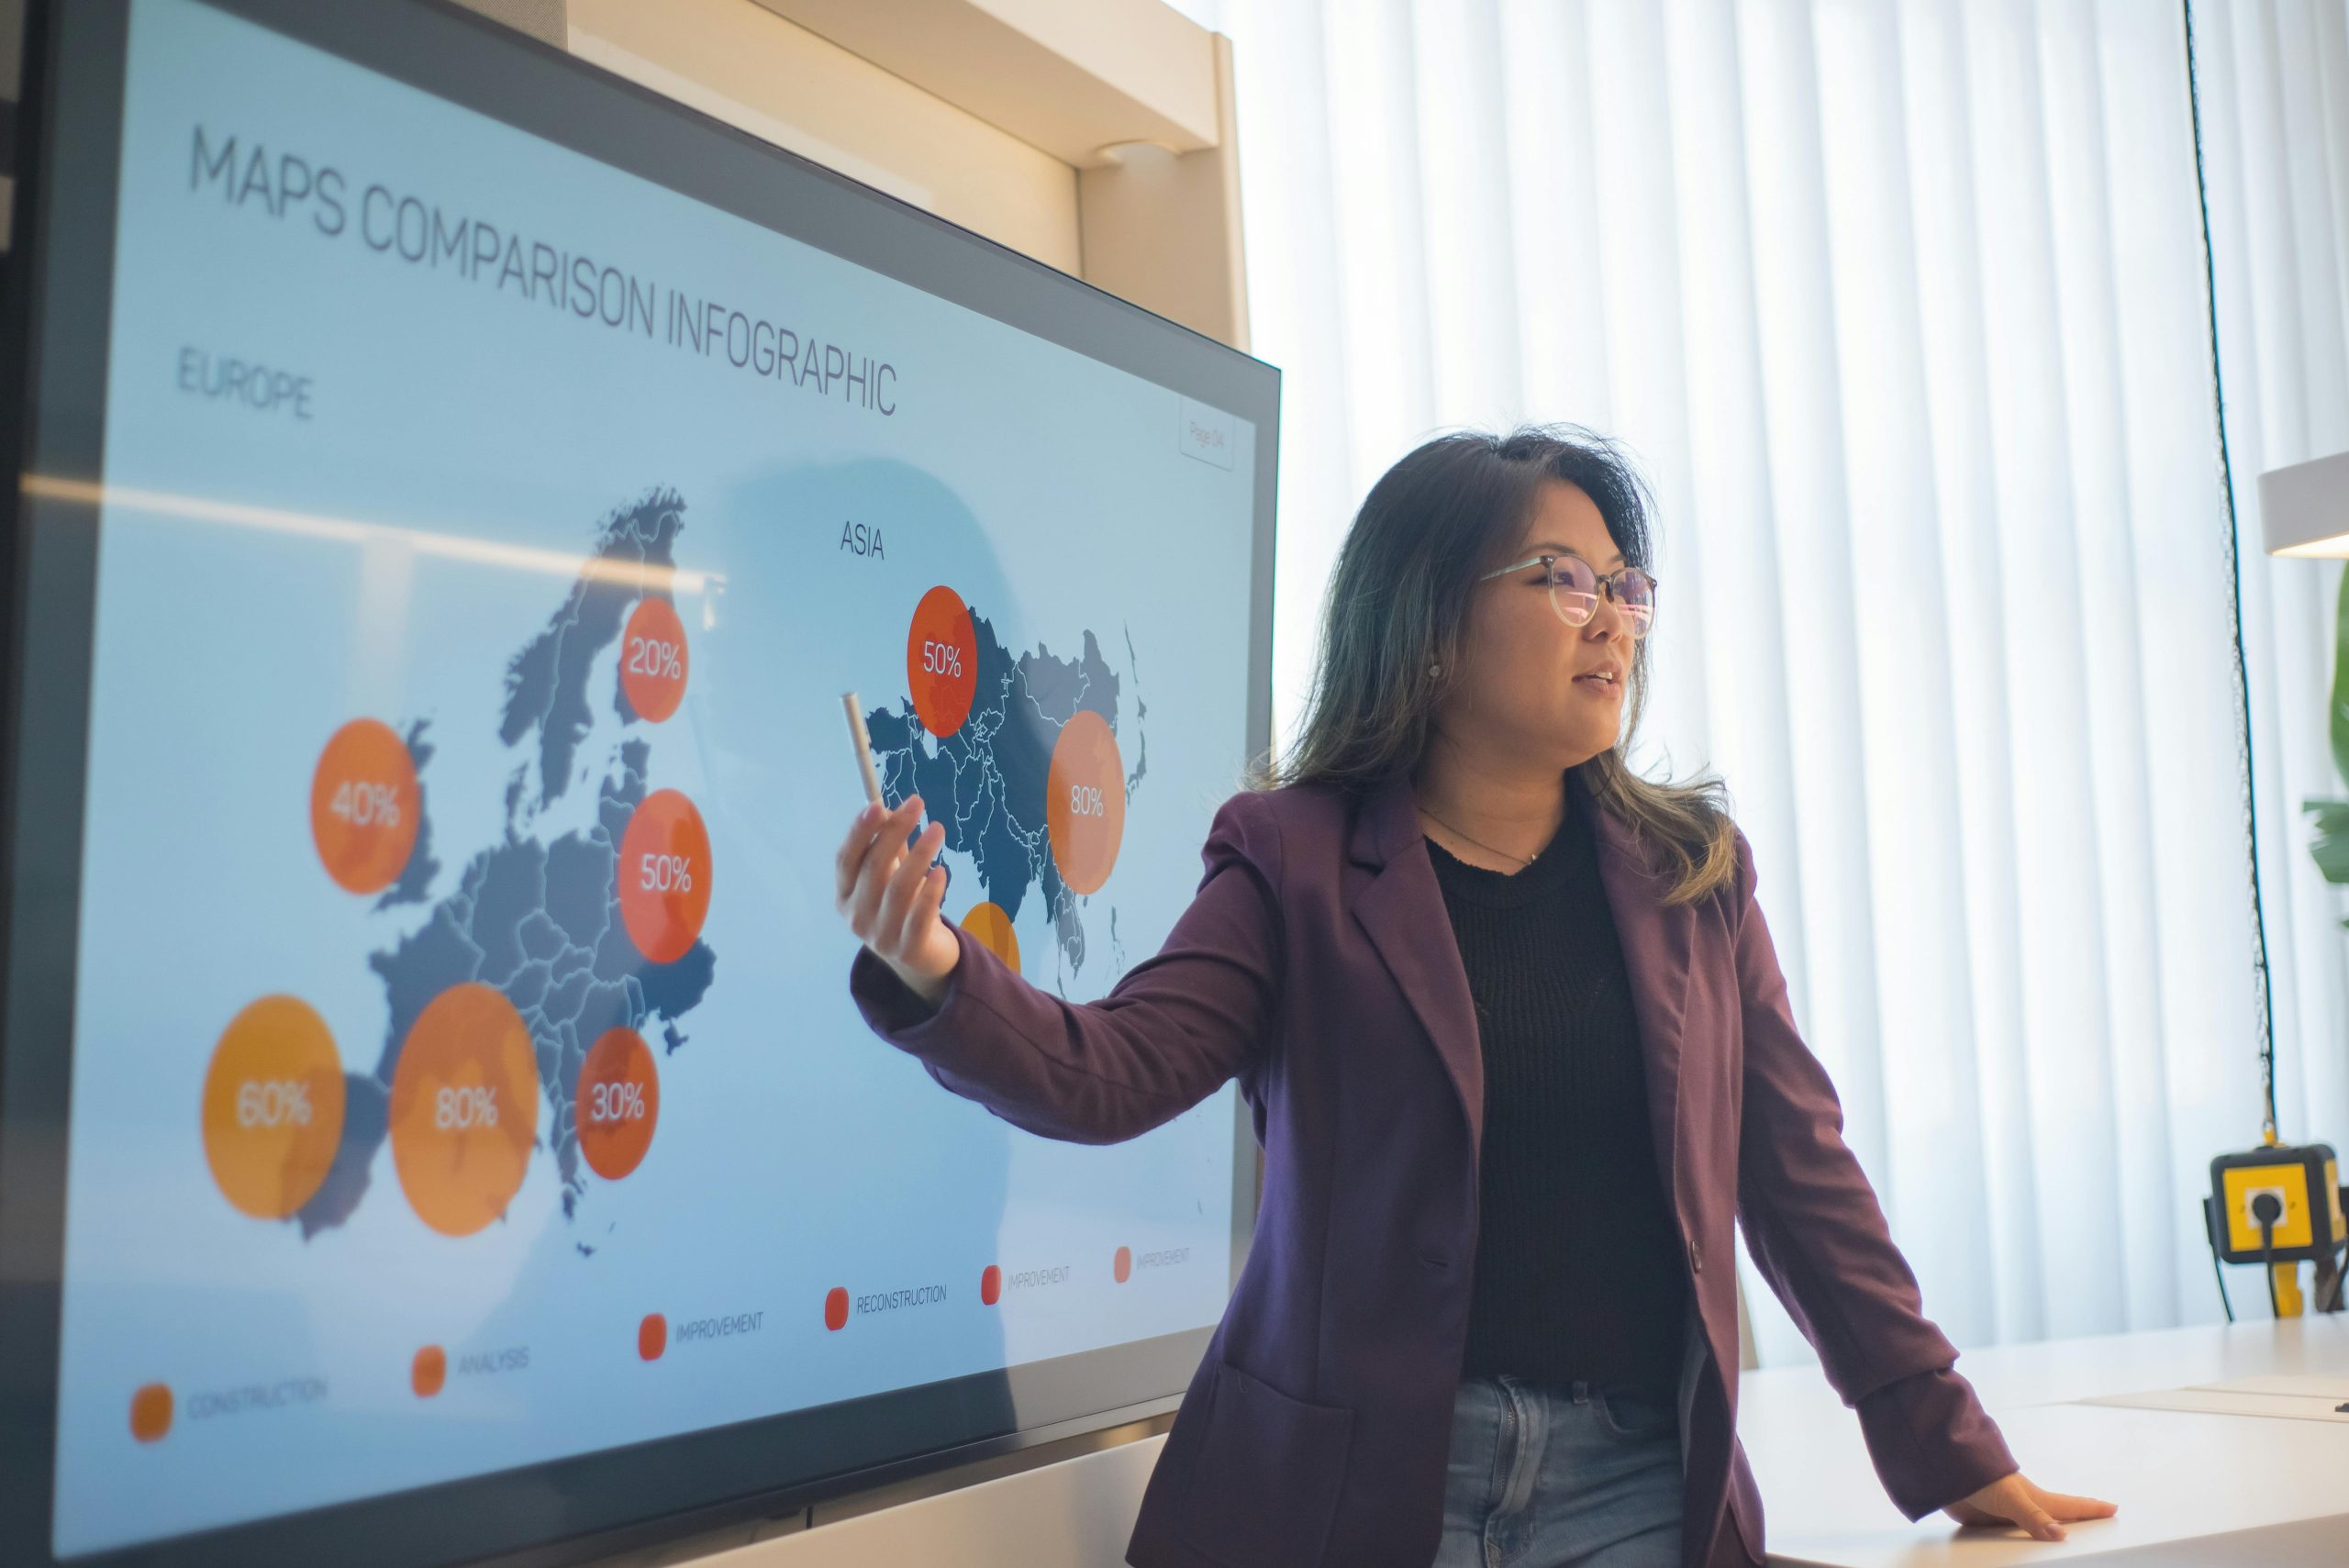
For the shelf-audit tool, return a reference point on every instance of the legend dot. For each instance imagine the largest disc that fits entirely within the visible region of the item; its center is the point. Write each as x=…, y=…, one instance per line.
x=151, y=1412
x=429, y=1372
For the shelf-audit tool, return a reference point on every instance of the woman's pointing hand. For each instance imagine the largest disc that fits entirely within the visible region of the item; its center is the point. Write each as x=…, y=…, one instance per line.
x=889, y=892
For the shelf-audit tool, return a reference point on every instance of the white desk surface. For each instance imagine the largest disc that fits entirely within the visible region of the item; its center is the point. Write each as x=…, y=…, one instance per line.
x=2194, y=1487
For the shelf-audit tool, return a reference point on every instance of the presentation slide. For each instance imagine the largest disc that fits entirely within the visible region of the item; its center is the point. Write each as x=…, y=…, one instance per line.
x=463, y=1070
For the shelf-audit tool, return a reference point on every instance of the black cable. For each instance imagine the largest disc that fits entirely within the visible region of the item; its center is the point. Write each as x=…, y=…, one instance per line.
x=2234, y=578
x=2211, y=1234
x=2267, y=1209
x=2340, y=1274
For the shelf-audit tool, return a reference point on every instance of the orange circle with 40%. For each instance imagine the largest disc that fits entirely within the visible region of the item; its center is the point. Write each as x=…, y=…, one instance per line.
x=664, y=876
x=617, y=1102
x=272, y=1106
x=1085, y=801
x=364, y=806
x=464, y=1108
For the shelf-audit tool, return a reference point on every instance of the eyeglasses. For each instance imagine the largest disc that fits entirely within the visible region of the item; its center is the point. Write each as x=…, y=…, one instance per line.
x=1574, y=587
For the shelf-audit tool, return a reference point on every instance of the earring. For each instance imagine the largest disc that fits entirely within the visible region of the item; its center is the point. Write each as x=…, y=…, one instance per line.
x=1435, y=669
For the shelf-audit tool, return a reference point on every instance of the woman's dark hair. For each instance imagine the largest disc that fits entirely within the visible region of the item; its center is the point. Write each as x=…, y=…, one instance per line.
x=1451, y=510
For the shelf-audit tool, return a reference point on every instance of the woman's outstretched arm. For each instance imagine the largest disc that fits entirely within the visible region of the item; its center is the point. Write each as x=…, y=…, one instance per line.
x=1818, y=1234
x=1171, y=1031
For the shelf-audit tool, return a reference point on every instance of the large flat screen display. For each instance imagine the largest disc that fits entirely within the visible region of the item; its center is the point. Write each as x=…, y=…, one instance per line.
x=456, y=488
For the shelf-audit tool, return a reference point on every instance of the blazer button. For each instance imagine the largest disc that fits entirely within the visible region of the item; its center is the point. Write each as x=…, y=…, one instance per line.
x=1696, y=1259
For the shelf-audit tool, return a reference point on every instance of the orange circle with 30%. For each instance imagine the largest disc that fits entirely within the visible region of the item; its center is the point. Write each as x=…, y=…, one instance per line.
x=617, y=1102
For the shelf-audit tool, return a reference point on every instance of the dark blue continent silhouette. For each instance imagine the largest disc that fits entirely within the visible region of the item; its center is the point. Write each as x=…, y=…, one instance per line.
x=546, y=683
x=539, y=921
x=986, y=782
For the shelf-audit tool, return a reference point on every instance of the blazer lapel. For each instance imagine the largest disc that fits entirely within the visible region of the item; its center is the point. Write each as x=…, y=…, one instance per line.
x=1402, y=911
x=1656, y=939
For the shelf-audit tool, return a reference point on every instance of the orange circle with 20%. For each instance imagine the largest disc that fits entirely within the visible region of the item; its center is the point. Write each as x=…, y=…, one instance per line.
x=464, y=1108
x=272, y=1106
x=364, y=806
x=1085, y=801
x=654, y=660
x=664, y=876
x=617, y=1103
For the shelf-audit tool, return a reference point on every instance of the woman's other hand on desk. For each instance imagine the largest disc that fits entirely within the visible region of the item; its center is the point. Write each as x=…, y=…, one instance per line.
x=889, y=892
x=2012, y=1499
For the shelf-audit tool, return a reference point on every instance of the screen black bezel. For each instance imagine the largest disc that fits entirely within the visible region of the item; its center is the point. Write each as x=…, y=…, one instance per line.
x=55, y=319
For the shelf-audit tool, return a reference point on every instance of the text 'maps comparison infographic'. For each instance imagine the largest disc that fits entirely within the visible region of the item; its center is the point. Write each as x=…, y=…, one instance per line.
x=463, y=1074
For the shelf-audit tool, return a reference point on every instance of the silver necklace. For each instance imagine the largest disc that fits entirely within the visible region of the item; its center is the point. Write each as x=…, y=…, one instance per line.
x=1513, y=854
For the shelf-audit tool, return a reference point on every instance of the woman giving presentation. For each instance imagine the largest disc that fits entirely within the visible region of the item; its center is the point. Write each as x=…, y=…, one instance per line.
x=1520, y=1054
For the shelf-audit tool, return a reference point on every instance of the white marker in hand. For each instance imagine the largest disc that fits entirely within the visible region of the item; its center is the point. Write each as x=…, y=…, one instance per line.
x=863, y=739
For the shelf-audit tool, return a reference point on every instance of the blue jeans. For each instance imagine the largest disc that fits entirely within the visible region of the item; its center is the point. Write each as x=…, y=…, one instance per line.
x=1546, y=1476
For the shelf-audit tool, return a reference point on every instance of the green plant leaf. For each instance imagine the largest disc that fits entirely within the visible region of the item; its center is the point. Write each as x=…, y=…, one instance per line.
x=2330, y=848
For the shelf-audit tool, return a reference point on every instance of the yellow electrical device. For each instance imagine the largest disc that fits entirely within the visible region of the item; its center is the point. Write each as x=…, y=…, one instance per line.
x=2280, y=1205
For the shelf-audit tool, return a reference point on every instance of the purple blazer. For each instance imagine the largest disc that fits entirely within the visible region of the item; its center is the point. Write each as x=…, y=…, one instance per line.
x=1317, y=964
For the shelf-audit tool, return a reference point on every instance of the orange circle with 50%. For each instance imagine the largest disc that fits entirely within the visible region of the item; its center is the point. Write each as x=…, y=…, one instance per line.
x=664, y=876
x=941, y=660
x=272, y=1106
x=464, y=1108
x=364, y=806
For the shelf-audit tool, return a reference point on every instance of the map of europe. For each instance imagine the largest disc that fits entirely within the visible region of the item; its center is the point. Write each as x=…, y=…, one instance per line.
x=538, y=920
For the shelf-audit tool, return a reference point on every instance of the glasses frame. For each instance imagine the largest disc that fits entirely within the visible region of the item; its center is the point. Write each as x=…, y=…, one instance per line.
x=1636, y=626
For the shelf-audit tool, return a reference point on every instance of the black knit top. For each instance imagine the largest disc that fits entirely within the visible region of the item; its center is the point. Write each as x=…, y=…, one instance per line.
x=1578, y=1273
